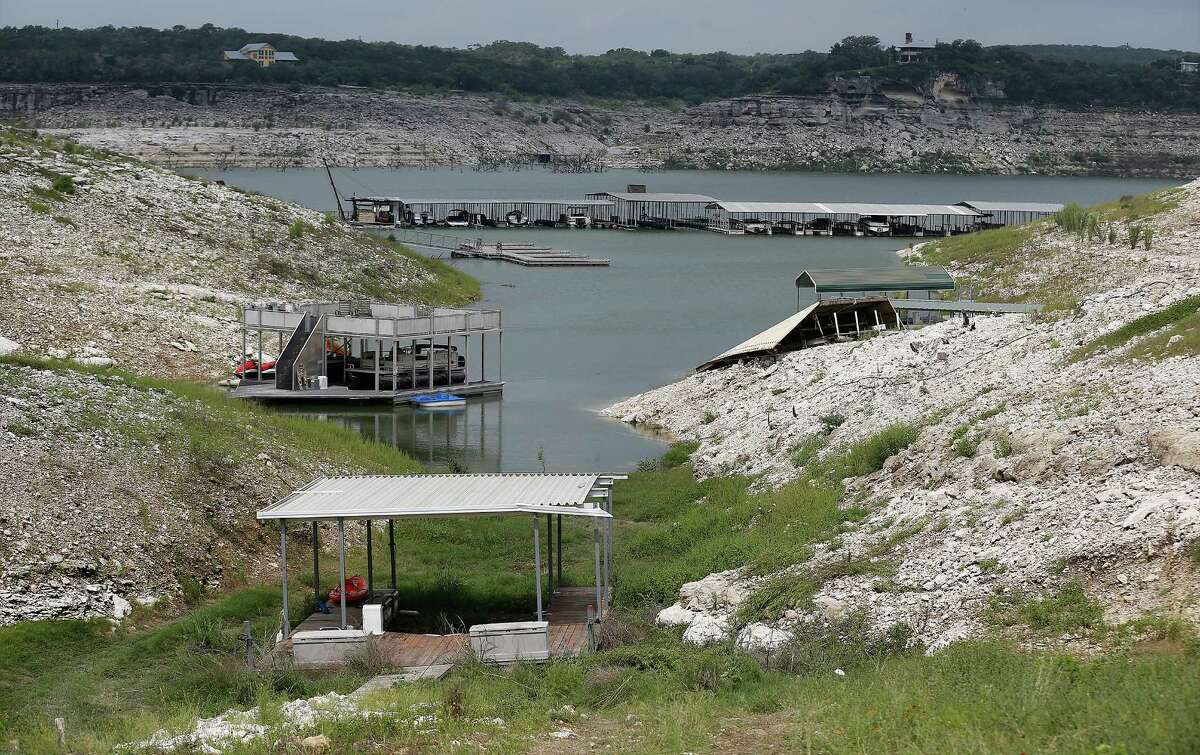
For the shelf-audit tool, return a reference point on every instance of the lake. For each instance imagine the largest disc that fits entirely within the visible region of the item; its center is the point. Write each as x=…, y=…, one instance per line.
x=579, y=339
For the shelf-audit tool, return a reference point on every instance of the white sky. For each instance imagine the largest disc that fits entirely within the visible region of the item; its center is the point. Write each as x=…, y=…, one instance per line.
x=677, y=25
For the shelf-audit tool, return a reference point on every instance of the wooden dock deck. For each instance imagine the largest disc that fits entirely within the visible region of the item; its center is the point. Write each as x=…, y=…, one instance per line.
x=566, y=614
x=340, y=393
x=529, y=256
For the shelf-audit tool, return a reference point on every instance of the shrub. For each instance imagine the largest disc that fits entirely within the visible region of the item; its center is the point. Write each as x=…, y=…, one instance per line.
x=296, y=229
x=967, y=445
x=63, y=185
x=1135, y=233
x=1147, y=237
x=708, y=418
x=678, y=455
x=832, y=421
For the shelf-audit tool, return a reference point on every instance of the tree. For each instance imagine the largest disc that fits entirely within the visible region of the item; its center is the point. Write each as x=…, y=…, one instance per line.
x=857, y=52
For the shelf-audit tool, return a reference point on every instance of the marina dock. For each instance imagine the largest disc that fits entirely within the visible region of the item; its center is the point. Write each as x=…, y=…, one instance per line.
x=528, y=256
x=637, y=209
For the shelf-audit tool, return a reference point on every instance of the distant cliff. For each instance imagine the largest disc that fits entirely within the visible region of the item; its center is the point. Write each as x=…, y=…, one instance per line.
x=944, y=125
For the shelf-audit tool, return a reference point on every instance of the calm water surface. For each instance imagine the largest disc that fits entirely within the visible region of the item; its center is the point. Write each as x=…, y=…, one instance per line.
x=576, y=340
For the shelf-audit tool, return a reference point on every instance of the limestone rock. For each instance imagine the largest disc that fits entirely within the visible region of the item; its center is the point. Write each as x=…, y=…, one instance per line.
x=1177, y=447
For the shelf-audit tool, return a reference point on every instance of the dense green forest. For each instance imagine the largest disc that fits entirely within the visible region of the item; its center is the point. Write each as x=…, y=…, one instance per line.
x=135, y=55
x=1122, y=55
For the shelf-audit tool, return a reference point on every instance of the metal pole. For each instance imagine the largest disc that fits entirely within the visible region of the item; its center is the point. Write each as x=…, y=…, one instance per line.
x=607, y=559
x=259, y=371
x=558, y=544
x=370, y=550
x=287, y=625
x=431, y=356
x=596, y=547
x=392, y=548
x=242, y=356
x=500, y=359
x=550, y=555
x=316, y=566
x=342, y=569
x=537, y=562
x=378, y=355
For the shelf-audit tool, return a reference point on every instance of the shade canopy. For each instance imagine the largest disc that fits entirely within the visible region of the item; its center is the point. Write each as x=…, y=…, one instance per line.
x=397, y=496
x=856, y=279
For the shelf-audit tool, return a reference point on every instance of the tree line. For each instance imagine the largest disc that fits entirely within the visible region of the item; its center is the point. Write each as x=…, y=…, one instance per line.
x=144, y=55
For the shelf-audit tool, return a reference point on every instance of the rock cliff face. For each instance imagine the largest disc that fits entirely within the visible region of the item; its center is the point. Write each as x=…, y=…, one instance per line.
x=1036, y=464
x=859, y=125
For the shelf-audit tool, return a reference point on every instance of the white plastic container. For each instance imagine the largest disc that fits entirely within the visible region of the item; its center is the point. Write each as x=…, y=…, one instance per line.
x=322, y=382
x=512, y=641
x=328, y=648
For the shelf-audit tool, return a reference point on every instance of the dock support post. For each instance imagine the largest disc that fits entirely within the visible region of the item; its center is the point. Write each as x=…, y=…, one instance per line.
x=242, y=356
x=604, y=537
x=287, y=625
x=483, y=357
x=316, y=566
x=558, y=544
x=342, y=571
x=378, y=356
x=500, y=358
x=857, y=327
x=259, y=369
x=392, y=548
x=412, y=347
x=371, y=552
x=430, y=357
x=395, y=368
x=537, y=562
x=550, y=556
x=596, y=547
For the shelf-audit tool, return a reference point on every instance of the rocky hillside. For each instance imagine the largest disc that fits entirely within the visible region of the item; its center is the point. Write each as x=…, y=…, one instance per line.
x=120, y=490
x=861, y=124
x=112, y=260
x=1051, y=452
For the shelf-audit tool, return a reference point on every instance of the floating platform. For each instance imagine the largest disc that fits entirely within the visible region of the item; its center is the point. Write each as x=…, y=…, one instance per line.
x=340, y=393
x=528, y=256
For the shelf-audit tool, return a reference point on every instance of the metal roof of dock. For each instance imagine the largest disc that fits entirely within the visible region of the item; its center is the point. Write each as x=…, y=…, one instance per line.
x=906, y=278
x=403, y=200
x=653, y=196
x=845, y=208
x=396, y=496
x=1043, y=207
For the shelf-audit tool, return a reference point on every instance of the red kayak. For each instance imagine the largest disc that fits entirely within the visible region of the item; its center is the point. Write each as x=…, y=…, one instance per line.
x=356, y=591
x=249, y=369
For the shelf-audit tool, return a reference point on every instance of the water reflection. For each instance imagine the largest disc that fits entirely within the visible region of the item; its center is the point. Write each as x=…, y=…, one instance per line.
x=463, y=439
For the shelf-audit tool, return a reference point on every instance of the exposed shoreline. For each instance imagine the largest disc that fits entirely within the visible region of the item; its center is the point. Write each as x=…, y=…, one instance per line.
x=211, y=126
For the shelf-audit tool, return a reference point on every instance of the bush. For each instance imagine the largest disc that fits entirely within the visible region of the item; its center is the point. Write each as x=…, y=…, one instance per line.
x=708, y=418
x=63, y=185
x=1072, y=218
x=832, y=421
x=678, y=455
x=296, y=229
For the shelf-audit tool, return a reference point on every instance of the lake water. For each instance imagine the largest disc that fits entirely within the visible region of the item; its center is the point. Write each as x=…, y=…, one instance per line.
x=579, y=339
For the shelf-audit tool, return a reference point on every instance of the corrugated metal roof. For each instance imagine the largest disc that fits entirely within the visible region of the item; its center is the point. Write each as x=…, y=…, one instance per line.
x=286, y=56
x=1043, y=207
x=235, y=55
x=564, y=202
x=655, y=196
x=255, y=46
x=846, y=208
x=906, y=278
x=396, y=496
x=772, y=340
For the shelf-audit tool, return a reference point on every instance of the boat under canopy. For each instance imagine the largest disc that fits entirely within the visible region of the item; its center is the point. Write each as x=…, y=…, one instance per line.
x=822, y=322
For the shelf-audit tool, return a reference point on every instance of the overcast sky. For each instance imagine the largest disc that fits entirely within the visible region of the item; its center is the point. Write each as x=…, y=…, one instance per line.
x=678, y=25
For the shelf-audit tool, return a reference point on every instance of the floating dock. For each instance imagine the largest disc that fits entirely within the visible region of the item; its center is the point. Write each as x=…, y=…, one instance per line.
x=266, y=391
x=528, y=256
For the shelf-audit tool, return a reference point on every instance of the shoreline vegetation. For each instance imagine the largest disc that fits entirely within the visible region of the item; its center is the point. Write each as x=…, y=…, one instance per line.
x=836, y=688
x=1024, y=76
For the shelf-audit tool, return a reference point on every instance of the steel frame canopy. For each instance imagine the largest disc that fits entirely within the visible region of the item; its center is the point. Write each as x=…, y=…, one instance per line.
x=864, y=279
x=390, y=497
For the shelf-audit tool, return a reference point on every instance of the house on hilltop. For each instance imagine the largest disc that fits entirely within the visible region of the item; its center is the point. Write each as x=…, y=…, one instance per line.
x=913, y=50
x=263, y=53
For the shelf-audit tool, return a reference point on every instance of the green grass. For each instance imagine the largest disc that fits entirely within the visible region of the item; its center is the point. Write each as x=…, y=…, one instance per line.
x=1067, y=610
x=1133, y=208
x=659, y=696
x=1181, y=318
x=981, y=696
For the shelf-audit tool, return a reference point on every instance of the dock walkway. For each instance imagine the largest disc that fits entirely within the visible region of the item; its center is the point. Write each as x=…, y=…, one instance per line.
x=528, y=256
x=566, y=614
x=267, y=391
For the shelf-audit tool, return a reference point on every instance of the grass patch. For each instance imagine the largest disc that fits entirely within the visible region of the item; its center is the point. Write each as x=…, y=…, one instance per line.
x=1174, y=315
x=1133, y=208
x=1068, y=610
x=807, y=449
x=708, y=418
